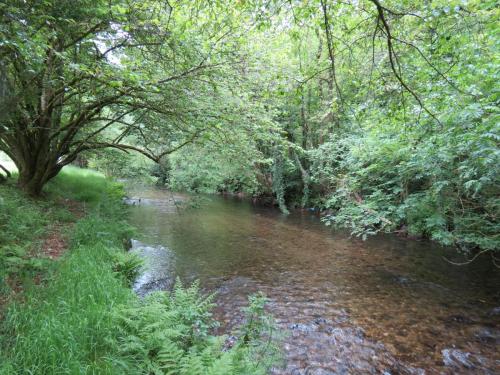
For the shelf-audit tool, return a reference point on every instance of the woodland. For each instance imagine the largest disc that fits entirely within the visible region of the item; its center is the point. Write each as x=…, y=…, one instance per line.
x=380, y=116
x=383, y=115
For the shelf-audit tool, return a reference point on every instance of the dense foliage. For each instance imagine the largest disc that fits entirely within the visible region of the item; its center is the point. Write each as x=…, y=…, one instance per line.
x=388, y=118
x=143, y=76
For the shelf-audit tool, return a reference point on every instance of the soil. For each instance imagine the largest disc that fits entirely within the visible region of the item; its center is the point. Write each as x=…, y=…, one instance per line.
x=55, y=242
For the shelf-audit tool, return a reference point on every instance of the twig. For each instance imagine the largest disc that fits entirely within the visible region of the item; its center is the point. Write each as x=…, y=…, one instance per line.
x=331, y=51
x=393, y=58
x=468, y=261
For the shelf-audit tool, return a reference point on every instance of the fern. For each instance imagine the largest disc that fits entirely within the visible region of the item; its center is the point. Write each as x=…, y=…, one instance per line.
x=169, y=334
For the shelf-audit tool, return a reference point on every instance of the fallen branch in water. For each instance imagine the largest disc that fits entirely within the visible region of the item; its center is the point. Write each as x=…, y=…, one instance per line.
x=468, y=261
x=494, y=260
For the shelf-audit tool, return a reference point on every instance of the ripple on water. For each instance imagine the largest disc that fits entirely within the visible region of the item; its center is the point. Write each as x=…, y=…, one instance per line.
x=158, y=271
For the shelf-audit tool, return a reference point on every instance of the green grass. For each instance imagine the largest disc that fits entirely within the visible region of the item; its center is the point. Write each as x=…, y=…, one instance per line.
x=83, y=185
x=62, y=325
x=24, y=221
x=67, y=327
x=84, y=319
x=21, y=220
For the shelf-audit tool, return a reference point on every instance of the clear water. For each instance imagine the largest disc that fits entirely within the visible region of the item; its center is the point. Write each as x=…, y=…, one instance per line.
x=385, y=305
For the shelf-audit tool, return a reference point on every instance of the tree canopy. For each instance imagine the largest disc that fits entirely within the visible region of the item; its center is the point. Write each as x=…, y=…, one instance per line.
x=131, y=75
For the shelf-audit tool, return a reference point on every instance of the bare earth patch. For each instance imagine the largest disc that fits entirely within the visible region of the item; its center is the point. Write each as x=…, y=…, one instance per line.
x=56, y=242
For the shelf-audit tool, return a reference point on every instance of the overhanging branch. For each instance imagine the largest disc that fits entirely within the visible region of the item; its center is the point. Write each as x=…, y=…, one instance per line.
x=393, y=59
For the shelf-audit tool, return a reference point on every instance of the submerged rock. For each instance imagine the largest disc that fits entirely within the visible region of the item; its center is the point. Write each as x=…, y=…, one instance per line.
x=457, y=358
x=158, y=272
x=171, y=205
x=486, y=335
x=495, y=311
x=460, y=360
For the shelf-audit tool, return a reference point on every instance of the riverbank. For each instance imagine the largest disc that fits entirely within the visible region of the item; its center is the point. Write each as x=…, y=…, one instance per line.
x=77, y=314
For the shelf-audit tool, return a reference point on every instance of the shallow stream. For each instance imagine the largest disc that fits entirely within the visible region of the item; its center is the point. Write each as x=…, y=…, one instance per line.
x=382, y=306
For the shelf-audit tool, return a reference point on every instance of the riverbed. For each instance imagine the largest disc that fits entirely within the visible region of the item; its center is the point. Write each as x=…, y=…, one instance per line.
x=383, y=306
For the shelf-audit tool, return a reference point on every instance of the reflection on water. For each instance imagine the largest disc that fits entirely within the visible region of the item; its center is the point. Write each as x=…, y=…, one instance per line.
x=386, y=305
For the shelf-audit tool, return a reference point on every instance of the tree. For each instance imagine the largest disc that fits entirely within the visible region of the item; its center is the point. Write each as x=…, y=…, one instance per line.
x=84, y=75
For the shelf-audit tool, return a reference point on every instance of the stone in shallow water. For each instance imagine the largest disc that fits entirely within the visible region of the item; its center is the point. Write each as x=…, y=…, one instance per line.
x=495, y=311
x=319, y=371
x=456, y=358
x=491, y=336
x=158, y=272
x=472, y=363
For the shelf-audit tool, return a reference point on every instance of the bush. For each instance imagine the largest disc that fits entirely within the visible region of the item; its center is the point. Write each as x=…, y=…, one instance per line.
x=443, y=186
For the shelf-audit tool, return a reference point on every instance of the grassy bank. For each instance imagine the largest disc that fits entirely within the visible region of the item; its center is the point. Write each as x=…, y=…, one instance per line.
x=79, y=316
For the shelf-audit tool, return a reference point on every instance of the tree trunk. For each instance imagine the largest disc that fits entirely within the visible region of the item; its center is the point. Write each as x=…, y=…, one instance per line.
x=31, y=187
x=29, y=182
x=34, y=176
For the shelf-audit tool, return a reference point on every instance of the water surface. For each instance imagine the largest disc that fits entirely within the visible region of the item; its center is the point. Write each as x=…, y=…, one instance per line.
x=385, y=305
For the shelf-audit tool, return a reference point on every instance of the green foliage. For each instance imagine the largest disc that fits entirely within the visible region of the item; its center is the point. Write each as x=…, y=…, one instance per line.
x=229, y=160
x=257, y=321
x=144, y=76
x=22, y=223
x=115, y=163
x=386, y=116
x=21, y=220
x=277, y=171
x=401, y=138
x=66, y=325
x=442, y=187
x=170, y=334
x=72, y=304
x=84, y=185
x=127, y=265
x=165, y=331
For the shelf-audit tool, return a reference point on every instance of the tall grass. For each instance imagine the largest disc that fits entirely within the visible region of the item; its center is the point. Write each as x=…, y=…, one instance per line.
x=25, y=221
x=21, y=220
x=66, y=325
x=83, y=185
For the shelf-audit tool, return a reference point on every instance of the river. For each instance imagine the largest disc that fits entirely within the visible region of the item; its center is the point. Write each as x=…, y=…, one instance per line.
x=382, y=306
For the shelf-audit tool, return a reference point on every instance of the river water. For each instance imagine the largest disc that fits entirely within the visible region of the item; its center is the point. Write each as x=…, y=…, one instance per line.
x=382, y=306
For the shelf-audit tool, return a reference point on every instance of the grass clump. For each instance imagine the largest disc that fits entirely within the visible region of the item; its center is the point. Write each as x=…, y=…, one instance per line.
x=25, y=221
x=84, y=185
x=84, y=319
